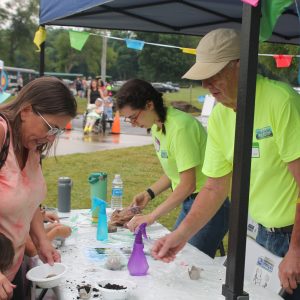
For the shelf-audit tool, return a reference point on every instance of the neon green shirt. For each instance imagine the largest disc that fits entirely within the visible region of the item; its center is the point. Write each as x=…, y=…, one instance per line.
x=182, y=147
x=276, y=134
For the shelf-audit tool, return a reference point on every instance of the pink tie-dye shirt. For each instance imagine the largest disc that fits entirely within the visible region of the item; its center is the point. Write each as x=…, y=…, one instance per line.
x=21, y=192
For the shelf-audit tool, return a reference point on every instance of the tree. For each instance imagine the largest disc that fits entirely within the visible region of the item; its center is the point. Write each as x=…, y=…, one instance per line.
x=19, y=26
x=165, y=64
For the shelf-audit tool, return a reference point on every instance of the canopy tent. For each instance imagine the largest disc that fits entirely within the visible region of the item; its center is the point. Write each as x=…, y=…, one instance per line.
x=195, y=17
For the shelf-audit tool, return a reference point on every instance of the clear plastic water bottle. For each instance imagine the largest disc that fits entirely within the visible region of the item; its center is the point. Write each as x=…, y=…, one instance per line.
x=117, y=193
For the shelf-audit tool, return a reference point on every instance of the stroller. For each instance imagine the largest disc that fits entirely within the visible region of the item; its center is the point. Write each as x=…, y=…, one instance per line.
x=100, y=124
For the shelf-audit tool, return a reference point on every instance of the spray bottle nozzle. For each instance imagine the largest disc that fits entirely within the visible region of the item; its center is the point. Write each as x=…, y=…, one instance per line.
x=99, y=203
x=102, y=230
x=140, y=232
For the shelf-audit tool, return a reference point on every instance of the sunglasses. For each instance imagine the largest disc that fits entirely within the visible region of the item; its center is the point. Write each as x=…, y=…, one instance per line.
x=52, y=130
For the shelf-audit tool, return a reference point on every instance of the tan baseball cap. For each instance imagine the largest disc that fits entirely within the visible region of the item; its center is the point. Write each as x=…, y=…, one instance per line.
x=215, y=50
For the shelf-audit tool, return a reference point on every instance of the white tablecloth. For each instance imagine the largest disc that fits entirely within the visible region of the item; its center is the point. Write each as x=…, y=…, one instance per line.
x=163, y=281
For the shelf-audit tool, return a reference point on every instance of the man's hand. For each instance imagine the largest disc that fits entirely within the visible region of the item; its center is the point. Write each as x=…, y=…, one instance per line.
x=168, y=246
x=141, y=200
x=6, y=288
x=136, y=221
x=47, y=253
x=289, y=271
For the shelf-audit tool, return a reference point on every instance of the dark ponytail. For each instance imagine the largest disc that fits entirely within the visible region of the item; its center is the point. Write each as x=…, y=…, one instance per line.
x=136, y=93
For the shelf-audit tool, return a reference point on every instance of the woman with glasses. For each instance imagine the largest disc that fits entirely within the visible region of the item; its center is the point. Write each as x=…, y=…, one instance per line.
x=179, y=140
x=29, y=125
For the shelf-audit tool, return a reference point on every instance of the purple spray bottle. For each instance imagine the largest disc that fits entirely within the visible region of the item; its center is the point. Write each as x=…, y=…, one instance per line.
x=137, y=264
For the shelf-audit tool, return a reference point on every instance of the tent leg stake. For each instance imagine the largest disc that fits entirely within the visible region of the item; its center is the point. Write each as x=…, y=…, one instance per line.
x=230, y=295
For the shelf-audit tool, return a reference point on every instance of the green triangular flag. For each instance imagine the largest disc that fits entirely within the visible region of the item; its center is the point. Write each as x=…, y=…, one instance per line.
x=271, y=10
x=78, y=39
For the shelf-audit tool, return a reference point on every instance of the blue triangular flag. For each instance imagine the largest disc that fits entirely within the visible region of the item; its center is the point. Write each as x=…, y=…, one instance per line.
x=135, y=44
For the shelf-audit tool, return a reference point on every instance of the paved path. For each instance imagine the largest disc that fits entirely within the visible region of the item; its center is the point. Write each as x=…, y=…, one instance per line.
x=73, y=141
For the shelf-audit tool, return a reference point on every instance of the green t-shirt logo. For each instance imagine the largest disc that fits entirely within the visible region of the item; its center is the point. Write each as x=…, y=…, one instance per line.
x=263, y=133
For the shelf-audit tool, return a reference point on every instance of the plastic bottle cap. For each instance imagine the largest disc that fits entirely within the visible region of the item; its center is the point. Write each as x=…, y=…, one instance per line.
x=64, y=179
x=117, y=176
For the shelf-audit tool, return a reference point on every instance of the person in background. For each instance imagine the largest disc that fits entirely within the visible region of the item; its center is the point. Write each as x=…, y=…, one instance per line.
x=108, y=108
x=179, y=140
x=94, y=115
x=84, y=87
x=34, y=119
x=106, y=95
x=93, y=92
x=78, y=86
x=102, y=89
x=20, y=82
x=275, y=167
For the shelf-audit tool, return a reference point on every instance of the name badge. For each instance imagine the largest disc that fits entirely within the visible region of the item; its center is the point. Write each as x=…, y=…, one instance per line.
x=164, y=154
x=255, y=150
x=263, y=133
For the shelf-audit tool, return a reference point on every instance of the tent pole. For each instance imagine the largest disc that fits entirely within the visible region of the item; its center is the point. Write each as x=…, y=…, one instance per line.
x=42, y=58
x=233, y=287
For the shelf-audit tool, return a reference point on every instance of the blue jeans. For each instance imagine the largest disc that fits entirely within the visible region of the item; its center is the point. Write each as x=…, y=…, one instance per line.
x=211, y=235
x=277, y=243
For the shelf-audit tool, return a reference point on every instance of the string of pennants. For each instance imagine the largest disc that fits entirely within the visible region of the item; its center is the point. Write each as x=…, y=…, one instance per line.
x=79, y=38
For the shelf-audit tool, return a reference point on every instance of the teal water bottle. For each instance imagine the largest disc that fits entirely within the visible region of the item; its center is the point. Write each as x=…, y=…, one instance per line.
x=98, y=185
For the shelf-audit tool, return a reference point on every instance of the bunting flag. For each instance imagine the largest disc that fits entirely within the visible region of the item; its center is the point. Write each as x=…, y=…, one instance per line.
x=283, y=61
x=271, y=10
x=40, y=37
x=78, y=39
x=188, y=50
x=135, y=44
x=251, y=2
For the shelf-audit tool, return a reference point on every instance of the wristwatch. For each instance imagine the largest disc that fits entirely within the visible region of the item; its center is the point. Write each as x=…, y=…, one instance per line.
x=151, y=193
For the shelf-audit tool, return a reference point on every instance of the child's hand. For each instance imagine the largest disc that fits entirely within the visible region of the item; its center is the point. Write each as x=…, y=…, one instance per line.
x=51, y=217
x=6, y=287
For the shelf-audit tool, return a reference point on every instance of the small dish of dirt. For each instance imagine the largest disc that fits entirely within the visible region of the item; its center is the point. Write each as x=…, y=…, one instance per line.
x=116, y=289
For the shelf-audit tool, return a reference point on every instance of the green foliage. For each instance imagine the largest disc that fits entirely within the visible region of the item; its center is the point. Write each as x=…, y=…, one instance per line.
x=18, y=24
x=165, y=64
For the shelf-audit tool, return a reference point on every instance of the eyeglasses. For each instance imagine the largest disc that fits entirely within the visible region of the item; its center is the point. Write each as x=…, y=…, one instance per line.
x=132, y=119
x=53, y=130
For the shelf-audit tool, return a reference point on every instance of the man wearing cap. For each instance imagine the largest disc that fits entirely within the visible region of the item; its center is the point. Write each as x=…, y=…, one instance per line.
x=275, y=166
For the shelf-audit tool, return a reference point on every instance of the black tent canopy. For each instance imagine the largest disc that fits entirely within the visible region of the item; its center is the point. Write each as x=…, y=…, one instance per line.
x=192, y=17
x=195, y=17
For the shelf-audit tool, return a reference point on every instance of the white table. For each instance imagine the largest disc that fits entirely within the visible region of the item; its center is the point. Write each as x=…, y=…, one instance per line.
x=163, y=281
